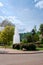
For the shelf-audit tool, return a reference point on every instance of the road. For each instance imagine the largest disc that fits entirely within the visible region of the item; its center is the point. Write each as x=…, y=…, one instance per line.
x=21, y=59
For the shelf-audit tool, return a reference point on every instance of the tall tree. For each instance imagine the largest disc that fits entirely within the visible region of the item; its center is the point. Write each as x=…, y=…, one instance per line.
x=35, y=29
x=7, y=35
x=41, y=29
x=33, y=32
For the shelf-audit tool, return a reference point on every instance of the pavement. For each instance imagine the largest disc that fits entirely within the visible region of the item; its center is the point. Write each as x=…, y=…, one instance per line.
x=14, y=51
x=21, y=59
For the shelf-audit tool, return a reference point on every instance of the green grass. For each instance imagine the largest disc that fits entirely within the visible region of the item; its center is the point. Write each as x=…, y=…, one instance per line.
x=39, y=48
x=6, y=47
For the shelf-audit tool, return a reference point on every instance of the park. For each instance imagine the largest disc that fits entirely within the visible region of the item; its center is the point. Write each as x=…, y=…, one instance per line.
x=10, y=37
x=16, y=50
x=21, y=32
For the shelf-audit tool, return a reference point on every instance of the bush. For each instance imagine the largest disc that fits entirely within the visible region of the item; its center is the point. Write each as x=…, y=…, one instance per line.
x=25, y=46
x=28, y=46
x=32, y=47
x=41, y=46
x=24, y=41
x=16, y=46
x=42, y=41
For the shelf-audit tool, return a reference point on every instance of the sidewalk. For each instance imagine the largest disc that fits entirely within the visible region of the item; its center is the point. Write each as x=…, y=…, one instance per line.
x=14, y=51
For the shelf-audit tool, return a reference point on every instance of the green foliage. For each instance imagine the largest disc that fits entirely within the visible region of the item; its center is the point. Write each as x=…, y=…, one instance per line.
x=28, y=46
x=24, y=40
x=16, y=46
x=41, y=29
x=41, y=45
x=29, y=38
x=32, y=36
x=33, y=32
x=26, y=37
x=7, y=35
x=0, y=38
x=39, y=48
x=35, y=38
x=32, y=47
x=42, y=41
x=25, y=46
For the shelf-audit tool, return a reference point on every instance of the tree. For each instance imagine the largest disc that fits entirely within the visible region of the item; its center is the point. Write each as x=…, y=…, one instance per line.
x=24, y=40
x=29, y=38
x=41, y=29
x=33, y=32
x=7, y=35
x=35, y=35
x=35, y=38
x=35, y=29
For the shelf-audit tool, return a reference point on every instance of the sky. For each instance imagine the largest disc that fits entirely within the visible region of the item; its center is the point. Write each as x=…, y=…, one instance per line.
x=25, y=14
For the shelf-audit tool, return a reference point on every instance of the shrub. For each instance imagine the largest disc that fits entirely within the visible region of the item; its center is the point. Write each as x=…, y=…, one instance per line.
x=42, y=41
x=25, y=46
x=16, y=46
x=28, y=46
x=32, y=47
x=37, y=43
x=24, y=40
x=41, y=46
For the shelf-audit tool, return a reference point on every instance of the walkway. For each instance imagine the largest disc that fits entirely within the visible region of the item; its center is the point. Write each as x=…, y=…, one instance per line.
x=14, y=51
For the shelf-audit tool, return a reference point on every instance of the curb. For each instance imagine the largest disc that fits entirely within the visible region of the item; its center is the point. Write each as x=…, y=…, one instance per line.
x=22, y=53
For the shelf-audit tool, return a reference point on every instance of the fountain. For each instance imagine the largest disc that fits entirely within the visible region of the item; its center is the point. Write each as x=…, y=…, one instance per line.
x=16, y=37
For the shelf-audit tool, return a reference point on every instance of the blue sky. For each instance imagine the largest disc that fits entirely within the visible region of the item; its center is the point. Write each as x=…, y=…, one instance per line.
x=25, y=14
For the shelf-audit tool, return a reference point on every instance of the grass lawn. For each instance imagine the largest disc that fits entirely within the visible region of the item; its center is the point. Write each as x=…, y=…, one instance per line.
x=39, y=48
x=6, y=47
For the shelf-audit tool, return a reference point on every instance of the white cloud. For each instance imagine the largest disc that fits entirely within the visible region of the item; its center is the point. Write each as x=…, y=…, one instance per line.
x=1, y=4
x=35, y=0
x=26, y=9
x=7, y=17
x=14, y=20
x=5, y=11
x=39, y=4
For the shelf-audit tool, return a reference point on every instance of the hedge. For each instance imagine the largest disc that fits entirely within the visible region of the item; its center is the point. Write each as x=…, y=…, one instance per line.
x=25, y=46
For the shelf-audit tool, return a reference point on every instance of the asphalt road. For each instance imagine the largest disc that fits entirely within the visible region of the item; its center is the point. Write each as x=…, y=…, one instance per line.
x=21, y=59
